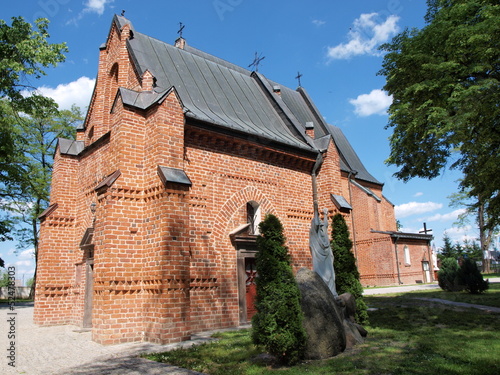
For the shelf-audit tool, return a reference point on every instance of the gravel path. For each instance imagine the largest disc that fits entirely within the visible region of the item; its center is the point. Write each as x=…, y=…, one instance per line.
x=65, y=350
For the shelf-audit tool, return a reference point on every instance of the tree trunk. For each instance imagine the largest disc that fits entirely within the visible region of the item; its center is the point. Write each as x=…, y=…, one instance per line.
x=484, y=239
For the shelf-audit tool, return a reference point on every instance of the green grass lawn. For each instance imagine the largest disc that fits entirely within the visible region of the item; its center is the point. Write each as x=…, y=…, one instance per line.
x=490, y=298
x=406, y=336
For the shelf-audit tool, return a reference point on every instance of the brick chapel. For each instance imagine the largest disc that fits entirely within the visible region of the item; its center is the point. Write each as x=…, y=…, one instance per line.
x=154, y=210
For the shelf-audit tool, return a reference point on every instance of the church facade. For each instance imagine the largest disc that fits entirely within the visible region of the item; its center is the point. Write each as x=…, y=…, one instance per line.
x=150, y=233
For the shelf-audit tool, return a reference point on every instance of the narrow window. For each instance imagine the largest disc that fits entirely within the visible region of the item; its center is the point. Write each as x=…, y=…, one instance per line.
x=253, y=217
x=407, y=255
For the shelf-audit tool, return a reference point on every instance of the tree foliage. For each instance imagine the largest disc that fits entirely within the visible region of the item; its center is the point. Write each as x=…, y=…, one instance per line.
x=470, y=277
x=465, y=250
x=278, y=322
x=452, y=277
x=25, y=53
x=346, y=271
x=444, y=80
x=447, y=275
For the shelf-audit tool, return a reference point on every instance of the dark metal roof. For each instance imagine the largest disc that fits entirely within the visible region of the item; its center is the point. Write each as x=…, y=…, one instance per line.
x=340, y=202
x=406, y=235
x=142, y=100
x=220, y=93
x=175, y=175
x=212, y=90
x=349, y=159
x=70, y=147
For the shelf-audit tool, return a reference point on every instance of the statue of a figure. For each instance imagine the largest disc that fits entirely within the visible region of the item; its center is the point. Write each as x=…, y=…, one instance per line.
x=321, y=252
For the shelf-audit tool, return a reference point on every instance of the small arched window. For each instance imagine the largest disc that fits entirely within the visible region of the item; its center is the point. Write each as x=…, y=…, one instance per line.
x=253, y=217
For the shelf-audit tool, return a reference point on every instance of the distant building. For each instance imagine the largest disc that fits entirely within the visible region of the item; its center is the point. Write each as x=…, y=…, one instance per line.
x=150, y=234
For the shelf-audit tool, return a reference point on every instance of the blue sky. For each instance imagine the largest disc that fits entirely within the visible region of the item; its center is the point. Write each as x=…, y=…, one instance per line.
x=332, y=43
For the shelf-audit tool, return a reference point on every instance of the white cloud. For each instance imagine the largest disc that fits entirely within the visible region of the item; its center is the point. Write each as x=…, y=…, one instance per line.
x=460, y=234
x=418, y=194
x=66, y=94
x=414, y=208
x=91, y=6
x=21, y=263
x=26, y=254
x=447, y=217
x=376, y=102
x=318, y=23
x=365, y=35
x=96, y=6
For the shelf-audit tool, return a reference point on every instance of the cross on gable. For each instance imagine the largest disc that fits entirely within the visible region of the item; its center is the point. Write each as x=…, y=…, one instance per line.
x=256, y=61
x=425, y=229
x=298, y=77
x=181, y=27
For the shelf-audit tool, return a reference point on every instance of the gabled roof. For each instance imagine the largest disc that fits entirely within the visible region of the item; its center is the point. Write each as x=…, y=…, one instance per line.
x=214, y=92
x=349, y=160
x=220, y=93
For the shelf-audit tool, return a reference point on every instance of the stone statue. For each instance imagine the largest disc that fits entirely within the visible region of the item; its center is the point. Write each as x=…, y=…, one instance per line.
x=321, y=252
x=319, y=243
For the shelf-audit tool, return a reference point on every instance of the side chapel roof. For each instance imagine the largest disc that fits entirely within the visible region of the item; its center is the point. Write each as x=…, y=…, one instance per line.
x=223, y=94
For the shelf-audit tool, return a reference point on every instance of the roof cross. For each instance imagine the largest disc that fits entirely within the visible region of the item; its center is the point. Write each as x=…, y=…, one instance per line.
x=425, y=229
x=256, y=61
x=298, y=77
x=181, y=27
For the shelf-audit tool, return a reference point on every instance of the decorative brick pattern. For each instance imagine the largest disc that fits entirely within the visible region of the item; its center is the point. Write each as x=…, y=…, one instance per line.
x=163, y=261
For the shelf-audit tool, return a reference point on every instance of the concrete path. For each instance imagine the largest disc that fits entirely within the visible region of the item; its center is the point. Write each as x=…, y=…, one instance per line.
x=399, y=289
x=416, y=287
x=409, y=288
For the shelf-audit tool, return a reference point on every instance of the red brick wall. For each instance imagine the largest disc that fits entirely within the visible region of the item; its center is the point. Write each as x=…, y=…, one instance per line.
x=227, y=173
x=164, y=264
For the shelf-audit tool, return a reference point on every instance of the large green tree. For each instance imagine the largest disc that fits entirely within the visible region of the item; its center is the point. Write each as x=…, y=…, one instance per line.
x=445, y=84
x=476, y=209
x=25, y=53
x=35, y=138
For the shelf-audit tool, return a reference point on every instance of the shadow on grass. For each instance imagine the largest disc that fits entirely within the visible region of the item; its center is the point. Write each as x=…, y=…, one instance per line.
x=439, y=339
x=406, y=336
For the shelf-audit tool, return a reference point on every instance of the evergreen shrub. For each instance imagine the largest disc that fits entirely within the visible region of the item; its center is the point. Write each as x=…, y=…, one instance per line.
x=448, y=275
x=277, y=325
x=471, y=278
x=344, y=264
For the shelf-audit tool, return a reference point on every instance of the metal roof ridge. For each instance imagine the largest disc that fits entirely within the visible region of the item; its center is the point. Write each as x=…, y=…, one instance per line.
x=264, y=83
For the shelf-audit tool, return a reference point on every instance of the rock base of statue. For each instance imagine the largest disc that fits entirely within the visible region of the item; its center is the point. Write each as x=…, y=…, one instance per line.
x=328, y=321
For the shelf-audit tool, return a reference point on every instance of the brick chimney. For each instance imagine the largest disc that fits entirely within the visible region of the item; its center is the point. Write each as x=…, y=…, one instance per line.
x=180, y=43
x=310, y=129
x=277, y=90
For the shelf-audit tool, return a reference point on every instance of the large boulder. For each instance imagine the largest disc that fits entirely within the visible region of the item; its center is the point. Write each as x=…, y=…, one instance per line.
x=323, y=317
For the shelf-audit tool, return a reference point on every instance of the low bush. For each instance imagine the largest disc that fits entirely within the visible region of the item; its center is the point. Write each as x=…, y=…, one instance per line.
x=453, y=278
x=471, y=278
x=448, y=275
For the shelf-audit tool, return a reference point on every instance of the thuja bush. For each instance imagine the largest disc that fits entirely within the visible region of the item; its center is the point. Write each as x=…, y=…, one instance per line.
x=471, y=278
x=344, y=264
x=448, y=275
x=277, y=325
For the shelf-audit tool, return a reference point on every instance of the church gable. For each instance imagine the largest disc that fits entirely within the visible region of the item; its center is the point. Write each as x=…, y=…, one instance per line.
x=180, y=156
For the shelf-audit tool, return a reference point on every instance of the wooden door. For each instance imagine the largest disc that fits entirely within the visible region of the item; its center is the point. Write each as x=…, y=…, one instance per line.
x=427, y=272
x=250, y=287
x=89, y=291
